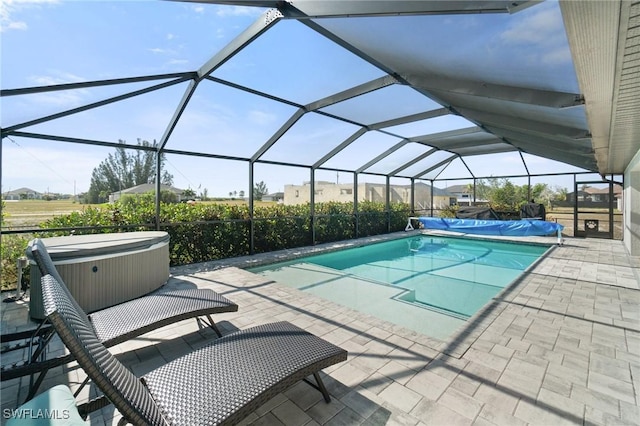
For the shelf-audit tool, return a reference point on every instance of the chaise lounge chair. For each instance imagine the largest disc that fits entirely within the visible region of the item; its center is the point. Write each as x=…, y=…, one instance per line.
x=118, y=323
x=220, y=383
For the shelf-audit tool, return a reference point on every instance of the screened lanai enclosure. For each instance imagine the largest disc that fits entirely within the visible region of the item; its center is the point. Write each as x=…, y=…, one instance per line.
x=332, y=106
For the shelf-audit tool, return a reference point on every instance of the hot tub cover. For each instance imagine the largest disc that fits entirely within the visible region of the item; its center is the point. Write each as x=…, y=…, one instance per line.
x=492, y=227
x=82, y=246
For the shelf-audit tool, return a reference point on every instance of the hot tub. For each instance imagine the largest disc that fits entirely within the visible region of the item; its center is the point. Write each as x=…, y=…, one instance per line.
x=103, y=270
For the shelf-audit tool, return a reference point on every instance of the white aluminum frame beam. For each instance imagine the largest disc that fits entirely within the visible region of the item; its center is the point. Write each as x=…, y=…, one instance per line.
x=495, y=148
x=441, y=86
x=305, y=9
x=489, y=118
x=425, y=139
x=438, y=112
x=353, y=92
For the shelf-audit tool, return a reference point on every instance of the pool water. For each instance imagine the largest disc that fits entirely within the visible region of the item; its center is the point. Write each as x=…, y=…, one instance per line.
x=428, y=284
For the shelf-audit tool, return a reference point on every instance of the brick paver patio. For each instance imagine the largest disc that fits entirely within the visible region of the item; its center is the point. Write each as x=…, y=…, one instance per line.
x=561, y=345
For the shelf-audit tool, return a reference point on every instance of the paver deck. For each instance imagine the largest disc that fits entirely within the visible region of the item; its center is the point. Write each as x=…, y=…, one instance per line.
x=561, y=345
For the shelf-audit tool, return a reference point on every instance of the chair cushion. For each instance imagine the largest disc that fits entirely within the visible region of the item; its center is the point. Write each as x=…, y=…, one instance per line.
x=56, y=407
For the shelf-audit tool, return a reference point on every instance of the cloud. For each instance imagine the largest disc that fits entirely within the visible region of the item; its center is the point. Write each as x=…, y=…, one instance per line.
x=178, y=61
x=224, y=11
x=541, y=32
x=15, y=25
x=198, y=9
x=559, y=55
x=8, y=8
x=58, y=77
x=170, y=36
x=261, y=117
x=62, y=98
x=543, y=27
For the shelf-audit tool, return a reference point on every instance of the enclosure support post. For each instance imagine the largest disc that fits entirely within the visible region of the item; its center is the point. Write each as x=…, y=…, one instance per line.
x=312, y=206
x=355, y=204
x=431, y=201
x=158, y=174
x=388, y=203
x=412, y=197
x=251, y=218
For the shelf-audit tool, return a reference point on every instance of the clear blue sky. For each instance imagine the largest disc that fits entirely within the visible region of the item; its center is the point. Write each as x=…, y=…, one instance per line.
x=50, y=42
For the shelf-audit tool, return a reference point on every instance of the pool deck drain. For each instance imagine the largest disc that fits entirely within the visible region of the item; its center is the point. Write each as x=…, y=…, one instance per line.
x=559, y=346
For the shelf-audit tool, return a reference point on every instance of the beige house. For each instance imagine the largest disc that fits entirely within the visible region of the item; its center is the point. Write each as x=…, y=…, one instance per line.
x=143, y=189
x=343, y=192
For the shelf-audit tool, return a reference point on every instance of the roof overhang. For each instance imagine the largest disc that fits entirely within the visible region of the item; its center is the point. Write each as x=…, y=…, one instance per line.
x=604, y=37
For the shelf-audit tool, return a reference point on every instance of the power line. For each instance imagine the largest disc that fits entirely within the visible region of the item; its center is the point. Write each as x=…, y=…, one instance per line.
x=178, y=170
x=39, y=160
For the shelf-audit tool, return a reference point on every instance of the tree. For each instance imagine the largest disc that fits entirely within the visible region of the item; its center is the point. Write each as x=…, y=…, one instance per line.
x=241, y=194
x=502, y=194
x=189, y=193
x=125, y=169
x=560, y=194
x=259, y=190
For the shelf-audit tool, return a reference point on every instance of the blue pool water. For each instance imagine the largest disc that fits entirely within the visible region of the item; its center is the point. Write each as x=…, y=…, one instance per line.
x=449, y=278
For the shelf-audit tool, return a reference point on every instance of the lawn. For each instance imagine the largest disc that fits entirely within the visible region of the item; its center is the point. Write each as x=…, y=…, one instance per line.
x=33, y=212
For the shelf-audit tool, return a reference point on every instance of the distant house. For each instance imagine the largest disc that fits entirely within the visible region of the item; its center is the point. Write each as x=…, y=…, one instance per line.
x=22, y=194
x=597, y=196
x=143, y=189
x=331, y=191
x=276, y=196
x=463, y=194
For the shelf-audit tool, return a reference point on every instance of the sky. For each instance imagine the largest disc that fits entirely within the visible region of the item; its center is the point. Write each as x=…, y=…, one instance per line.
x=53, y=42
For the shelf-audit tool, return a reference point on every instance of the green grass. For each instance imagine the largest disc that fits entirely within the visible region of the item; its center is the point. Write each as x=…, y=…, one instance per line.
x=33, y=212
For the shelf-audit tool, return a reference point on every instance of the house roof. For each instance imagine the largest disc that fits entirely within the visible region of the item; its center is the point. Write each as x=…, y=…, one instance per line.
x=617, y=189
x=21, y=191
x=458, y=189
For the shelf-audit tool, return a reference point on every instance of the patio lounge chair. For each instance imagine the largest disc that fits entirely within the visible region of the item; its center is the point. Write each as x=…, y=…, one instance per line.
x=118, y=323
x=220, y=383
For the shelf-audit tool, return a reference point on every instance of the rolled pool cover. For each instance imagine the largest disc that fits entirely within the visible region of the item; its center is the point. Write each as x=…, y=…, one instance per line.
x=522, y=227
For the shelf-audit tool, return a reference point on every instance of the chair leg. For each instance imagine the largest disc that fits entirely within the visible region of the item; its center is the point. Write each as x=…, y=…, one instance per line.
x=34, y=385
x=210, y=323
x=82, y=385
x=39, y=353
x=320, y=386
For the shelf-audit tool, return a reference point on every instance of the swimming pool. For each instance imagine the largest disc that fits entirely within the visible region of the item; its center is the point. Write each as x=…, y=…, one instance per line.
x=428, y=284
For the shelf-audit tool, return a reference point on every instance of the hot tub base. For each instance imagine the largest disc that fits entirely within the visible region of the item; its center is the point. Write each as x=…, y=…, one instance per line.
x=103, y=270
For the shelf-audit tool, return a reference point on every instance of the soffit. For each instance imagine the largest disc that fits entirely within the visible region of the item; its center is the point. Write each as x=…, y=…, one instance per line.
x=605, y=43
